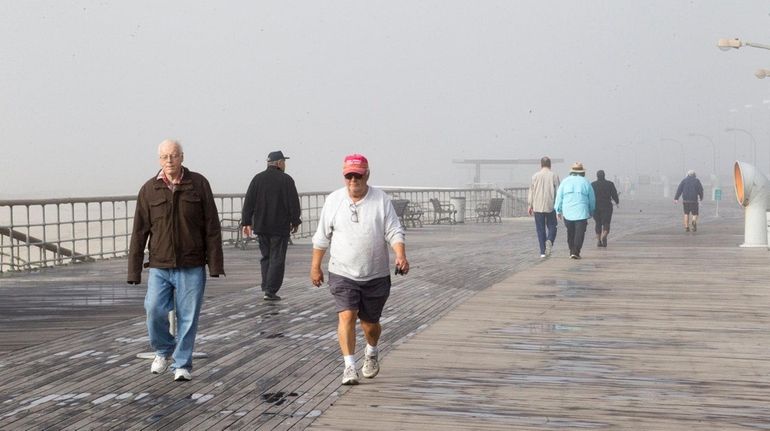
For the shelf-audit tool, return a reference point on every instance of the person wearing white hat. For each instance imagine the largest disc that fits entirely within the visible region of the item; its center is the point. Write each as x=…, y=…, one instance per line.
x=691, y=191
x=575, y=203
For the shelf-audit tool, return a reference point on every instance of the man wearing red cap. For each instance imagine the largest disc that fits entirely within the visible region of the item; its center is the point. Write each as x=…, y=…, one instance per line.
x=357, y=224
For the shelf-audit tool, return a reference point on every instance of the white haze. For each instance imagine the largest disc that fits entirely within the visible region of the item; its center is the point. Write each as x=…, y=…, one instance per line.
x=89, y=88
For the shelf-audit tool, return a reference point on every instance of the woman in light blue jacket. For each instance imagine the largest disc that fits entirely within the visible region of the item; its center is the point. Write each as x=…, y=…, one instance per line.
x=575, y=202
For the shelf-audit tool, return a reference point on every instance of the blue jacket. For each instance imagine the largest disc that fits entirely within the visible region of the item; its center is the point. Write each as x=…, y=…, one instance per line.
x=575, y=198
x=690, y=189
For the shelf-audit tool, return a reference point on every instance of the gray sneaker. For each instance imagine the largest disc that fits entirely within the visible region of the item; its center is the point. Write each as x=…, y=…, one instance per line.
x=160, y=364
x=182, y=375
x=371, y=366
x=350, y=376
x=548, y=247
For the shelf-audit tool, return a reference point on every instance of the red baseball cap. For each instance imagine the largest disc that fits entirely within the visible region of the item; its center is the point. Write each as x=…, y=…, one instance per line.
x=355, y=164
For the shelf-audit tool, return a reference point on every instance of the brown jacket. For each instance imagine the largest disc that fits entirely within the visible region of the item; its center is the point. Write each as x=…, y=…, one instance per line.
x=183, y=227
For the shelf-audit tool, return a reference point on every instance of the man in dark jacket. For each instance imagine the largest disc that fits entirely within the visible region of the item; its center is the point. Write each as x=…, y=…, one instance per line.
x=691, y=191
x=605, y=193
x=271, y=210
x=175, y=210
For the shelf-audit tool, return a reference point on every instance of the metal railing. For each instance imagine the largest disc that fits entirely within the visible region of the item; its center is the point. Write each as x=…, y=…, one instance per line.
x=37, y=233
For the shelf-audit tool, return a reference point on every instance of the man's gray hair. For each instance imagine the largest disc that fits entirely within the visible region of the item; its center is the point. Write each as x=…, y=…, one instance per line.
x=691, y=173
x=173, y=142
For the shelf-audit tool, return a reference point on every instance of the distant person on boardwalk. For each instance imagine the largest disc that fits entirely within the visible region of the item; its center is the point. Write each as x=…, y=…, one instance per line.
x=575, y=202
x=271, y=210
x=605, y=193
x=691, y=191
x=176, y=211
x=357, y=224
x=540, y=200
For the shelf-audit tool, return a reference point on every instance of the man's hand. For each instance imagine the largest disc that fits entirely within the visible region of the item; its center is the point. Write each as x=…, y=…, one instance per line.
x=402, y=264
x=529, y=211
x=246, y=231
x=676, y=201
x=294, y=228
x=316, y=276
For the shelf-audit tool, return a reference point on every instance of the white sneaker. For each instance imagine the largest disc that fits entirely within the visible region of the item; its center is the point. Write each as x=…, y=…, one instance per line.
x=160, y=364
x=548, y=247
x=182, y=375
x=542, y=256
x=371, y=366
x=350, y=376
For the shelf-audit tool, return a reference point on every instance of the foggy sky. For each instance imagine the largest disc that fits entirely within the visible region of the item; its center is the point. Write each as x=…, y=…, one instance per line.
x=89, y=88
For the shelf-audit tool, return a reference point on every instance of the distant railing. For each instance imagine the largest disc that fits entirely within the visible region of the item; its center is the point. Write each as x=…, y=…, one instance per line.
x=37, y=233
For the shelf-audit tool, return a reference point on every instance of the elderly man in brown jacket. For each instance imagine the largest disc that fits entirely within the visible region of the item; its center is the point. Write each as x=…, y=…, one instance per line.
x=176, y=211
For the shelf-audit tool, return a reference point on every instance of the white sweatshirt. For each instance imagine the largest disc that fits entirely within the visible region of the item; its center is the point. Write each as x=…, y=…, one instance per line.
x=358, y=250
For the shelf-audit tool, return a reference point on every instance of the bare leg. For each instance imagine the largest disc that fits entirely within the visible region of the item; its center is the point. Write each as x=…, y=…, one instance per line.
x=346, y=331
x=372, y=332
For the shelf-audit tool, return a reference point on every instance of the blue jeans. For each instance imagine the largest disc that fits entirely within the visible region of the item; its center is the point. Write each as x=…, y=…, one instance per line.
x=543, y=221
x=169, y=289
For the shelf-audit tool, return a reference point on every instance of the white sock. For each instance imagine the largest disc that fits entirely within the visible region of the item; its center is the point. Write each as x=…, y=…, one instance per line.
x=371, y=350
x=350, y=360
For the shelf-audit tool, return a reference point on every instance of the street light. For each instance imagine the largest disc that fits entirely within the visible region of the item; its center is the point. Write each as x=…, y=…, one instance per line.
x=762, y=73
x=735, y=129
x=728, y=44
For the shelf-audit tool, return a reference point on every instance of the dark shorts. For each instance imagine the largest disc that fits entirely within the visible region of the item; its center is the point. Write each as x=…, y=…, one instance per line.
x=368, y=297
x=690, y=207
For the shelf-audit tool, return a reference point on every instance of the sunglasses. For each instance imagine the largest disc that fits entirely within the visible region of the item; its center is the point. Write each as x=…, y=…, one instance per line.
x=353, y=213
x=350, y=176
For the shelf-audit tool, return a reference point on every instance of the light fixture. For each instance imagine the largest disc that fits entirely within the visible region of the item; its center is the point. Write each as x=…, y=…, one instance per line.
x=762, y=74
x=727, y=44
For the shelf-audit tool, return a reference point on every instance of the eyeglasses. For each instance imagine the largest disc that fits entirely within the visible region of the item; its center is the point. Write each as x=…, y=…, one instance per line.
x=351, y=175
x=353, y=213
x=170, y=156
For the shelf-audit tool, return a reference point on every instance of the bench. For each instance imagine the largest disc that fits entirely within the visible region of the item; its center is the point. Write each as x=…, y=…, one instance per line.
x=400, y=206
x=233, y=227
x=413, y=214
x=443, y=212
x=490, y=211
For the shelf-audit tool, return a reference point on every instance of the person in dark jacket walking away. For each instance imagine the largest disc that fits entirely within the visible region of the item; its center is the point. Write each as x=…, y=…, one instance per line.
x=605, y=193
x=691, y=191
x=176, y=211
x=271, y=210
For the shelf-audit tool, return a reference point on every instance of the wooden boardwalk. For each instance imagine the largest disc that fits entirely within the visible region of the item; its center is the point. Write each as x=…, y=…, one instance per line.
x=662, y=330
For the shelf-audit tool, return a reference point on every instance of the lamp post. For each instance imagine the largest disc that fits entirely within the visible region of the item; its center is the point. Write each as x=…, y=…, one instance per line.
x=728, y=44
x=754, y=141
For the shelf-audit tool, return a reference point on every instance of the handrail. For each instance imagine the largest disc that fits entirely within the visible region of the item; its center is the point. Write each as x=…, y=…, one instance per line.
x=37, y=233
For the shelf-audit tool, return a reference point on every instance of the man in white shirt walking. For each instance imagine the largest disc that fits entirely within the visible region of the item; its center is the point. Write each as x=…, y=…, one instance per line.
x=357, y=224
x=542, y=193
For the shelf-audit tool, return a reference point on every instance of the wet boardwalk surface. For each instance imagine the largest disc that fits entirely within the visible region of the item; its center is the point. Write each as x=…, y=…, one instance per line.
x=662, y=330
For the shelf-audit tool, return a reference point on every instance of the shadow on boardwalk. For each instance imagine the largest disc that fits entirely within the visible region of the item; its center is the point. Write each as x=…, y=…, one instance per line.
x=452, y=357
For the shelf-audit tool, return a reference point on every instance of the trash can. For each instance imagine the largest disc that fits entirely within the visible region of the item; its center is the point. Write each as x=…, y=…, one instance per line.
x=459, y=203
